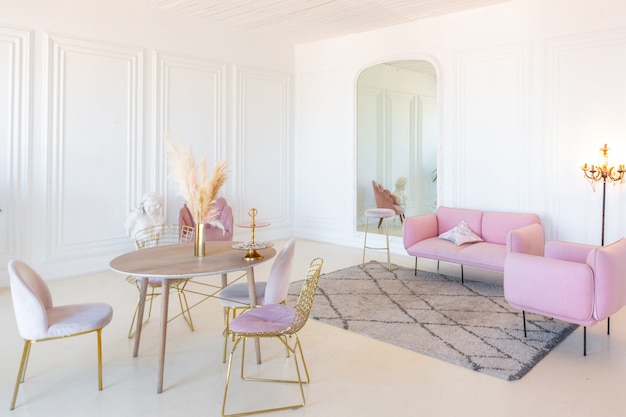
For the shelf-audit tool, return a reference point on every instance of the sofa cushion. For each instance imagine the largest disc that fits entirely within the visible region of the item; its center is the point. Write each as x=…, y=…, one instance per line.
x=435, y=248
x=496, y=225
x=461, y=234
x=482, y=255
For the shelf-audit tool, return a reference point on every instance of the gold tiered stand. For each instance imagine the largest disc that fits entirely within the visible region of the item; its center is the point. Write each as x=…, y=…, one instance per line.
x=251, y=247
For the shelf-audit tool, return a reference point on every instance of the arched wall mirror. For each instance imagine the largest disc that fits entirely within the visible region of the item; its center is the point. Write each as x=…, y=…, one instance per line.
x=397, y=137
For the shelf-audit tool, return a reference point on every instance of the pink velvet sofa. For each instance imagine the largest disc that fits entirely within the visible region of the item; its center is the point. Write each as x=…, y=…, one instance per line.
x=499, y=232
x=573, y=282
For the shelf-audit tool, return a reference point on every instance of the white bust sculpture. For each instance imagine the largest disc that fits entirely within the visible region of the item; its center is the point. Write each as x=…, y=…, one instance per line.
x=147, y=214
x=399, y=191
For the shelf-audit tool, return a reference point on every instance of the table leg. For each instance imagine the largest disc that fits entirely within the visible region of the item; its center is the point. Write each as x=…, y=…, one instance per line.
x=253, y=302
x=143, y=290
x=165, y=299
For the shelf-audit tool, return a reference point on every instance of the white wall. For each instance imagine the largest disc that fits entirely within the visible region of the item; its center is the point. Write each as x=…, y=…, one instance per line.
x=88, y=89
x=529, y=91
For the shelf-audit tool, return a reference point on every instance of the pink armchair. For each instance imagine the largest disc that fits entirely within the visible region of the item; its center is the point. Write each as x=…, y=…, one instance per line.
x=384, y=199
x=212, y=233
x=575, y=283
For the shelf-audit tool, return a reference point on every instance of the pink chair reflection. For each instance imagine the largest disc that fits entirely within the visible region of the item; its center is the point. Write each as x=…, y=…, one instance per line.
x=385, y=199
x=575, y=283
x=212, y=233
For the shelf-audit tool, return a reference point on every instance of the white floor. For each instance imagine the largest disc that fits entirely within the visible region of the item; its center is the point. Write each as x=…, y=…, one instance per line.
x=351, y=375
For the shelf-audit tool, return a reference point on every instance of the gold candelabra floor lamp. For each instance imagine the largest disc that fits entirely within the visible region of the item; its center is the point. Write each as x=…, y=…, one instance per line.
x=603, y=173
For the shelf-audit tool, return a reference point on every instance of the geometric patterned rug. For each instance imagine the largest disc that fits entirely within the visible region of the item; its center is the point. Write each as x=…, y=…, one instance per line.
x=469, y=324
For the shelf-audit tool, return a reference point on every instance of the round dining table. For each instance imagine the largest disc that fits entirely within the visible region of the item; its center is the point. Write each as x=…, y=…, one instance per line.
x=177, y=261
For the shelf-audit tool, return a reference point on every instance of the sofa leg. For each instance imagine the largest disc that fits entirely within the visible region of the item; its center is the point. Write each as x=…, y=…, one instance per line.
x=415, y=271
x=524, y=319
x=608, y=325
x=462, y=278
x=585, y=341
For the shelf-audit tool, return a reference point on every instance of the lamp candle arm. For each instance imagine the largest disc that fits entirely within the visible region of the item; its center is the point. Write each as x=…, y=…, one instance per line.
x=603, y=172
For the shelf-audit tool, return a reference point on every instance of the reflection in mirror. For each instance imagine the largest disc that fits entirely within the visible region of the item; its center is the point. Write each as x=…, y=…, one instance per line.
x=397, y=136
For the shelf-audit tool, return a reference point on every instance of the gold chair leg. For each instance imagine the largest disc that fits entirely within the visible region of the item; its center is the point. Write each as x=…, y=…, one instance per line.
x=21, y=373
x=226, y=327
x=99, y=331
x=184, y=306
x=132, y=322
x=151, y=295
x=297, y=348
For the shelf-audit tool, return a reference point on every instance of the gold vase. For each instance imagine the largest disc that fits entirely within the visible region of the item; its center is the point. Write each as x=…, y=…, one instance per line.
x=198, y=247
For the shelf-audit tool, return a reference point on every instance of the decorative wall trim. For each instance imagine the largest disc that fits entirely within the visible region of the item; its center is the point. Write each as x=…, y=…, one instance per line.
x=57, y=48
x=15, y=144
x=256, y=91
x=325, y=204
x=515, y=57
x=215, y=73
x=556, y=51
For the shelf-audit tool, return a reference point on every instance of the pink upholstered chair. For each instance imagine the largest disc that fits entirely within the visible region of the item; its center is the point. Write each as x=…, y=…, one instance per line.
x=385, y=199
x=212, y=233
x=280, y=322
x=575, y=283
x=38, y=319
x=272, y=291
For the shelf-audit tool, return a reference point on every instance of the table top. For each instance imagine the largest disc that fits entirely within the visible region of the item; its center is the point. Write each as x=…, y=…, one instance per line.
x=178, y=260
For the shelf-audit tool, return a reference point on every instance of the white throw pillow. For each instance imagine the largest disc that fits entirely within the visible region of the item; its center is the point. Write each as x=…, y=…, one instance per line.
x=461, y=234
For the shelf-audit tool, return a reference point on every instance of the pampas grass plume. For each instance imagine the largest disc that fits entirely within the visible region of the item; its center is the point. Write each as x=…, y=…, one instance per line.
x=198, y=190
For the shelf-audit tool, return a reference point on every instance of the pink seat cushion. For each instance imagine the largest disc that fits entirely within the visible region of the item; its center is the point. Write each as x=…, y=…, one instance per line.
x=77, y=318
x=379, y=213
x=270, y=318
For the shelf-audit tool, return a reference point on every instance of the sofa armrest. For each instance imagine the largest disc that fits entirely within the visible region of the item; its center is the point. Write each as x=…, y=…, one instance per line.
x=551, y=287
x=568, y=251
x=527, y=239
x=417, y=228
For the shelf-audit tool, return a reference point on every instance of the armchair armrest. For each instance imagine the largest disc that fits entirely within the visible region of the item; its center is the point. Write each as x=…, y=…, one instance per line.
x=527, y=239
x=551, y=287
x=568, y=251
x=418, y=228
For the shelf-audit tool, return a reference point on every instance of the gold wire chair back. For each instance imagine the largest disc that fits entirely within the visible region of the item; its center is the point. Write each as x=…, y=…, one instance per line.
x=166, y=234
x=288, y=337
x=307, y=294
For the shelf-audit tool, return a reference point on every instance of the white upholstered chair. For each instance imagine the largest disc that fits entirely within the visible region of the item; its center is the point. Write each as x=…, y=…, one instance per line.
x=38, y=319
x=273, y=291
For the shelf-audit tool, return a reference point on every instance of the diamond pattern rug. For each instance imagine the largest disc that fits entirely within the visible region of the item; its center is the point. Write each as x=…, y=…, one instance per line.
x=469, y=325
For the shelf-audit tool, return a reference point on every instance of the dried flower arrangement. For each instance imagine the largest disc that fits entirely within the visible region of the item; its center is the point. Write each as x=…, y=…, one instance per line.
x=199, y=191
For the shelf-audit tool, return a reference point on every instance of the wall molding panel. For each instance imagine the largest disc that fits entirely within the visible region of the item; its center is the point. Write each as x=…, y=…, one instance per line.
x=190, y=106
x=94, y=100
x=263, y=132
x=585, y=82
x=322, y=199
x=15, y=143
x=493, y=92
